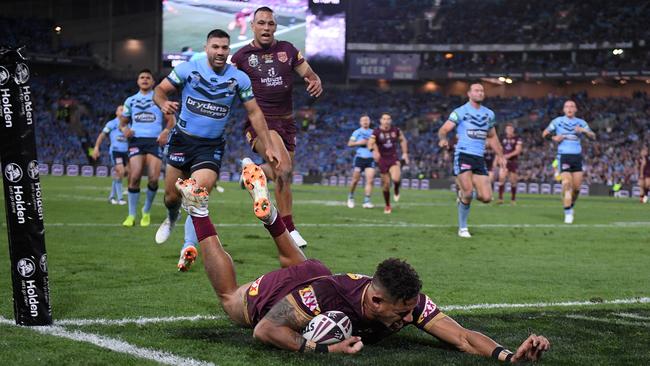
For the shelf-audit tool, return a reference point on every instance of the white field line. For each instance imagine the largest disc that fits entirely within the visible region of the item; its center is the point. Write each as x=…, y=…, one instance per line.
x=137, y=321
x=115, y=345
x=609, y=321
x=638, y=300
x=396, y=225
x=632, y=316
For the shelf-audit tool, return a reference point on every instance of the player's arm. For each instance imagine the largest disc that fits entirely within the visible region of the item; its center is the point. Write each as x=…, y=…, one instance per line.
x=518, y=149
x=549, y=133
x=170, y=122
x=352, y=142
x=161, y=97
x=447, y=127
x=314, y=85
x=258, y=122
x=281, y=327
x=372, y=146
x=98, y=143
x=587, y=131
x=124, y=125
x=495, y=144
x=469, y=341
x=404, y=144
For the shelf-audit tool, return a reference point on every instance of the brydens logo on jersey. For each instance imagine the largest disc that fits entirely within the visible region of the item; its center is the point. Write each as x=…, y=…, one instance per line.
x=13, y=173
x=144, y=117
x=477, y=134
x=308, y=298
x=26, y=267
x=205, y=108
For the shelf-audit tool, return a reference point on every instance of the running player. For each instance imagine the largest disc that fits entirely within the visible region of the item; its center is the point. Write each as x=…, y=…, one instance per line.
x=240, y=22
x=567, y=131
x=119, y=153
x=280, y=304
x=475, y=124
x=270, y=65
x=146, y=137
x=512, y=146
x=196, y=145
x=363, y=161
x=383, y=144
x=644, y=174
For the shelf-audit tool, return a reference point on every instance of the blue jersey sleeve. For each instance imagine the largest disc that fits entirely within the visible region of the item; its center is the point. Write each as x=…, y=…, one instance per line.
x=454, y=116
x=551, y=126
x=355, y=136
x=110, y=126
x=584, y=125
x=492, y=120
x=127, y=107
x=244, y=87
x=180, y=73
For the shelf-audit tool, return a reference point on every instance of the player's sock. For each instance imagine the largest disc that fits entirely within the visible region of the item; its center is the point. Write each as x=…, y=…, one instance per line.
x=118, y=189
x=350, y=196
x=288, y=223
x=502, y=188
x=173, y=212
x=134, y=197
x=387, y=197
x=151, y=194
x=568, y=210
x=276, y=227
x=513, y=191
x=112, y=195
x=463, y=213
x=203, y=227
x=366, y=199
x=190, y=233
x=396, y=185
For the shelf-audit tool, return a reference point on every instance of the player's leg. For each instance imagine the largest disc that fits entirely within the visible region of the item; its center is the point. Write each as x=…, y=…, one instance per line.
x=396, y=176
x=514, y=180
x=576, y=182
x=367, y=191
x=356, y=177
x=172, y=201
x=647, y=189
x=117, y=181
x=136, y=163
x=567, y=196
x=385, y=190
x=483, y=187
x=503, y=173
x=465, y=188
x=153, y=163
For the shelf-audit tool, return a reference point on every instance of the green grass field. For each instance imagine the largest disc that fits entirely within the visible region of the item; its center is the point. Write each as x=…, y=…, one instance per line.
x=518, y=255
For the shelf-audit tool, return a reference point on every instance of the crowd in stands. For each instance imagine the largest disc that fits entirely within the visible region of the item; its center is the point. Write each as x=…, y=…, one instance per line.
x=39, y=36
x=71, y=114
x=498, y=21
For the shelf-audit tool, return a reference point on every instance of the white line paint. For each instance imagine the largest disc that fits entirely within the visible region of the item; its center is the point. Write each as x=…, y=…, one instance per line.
x=395, y=225
x=639, y=300
x=116, y=345
x=608, y=321
x=138, y=321
x=632, y=316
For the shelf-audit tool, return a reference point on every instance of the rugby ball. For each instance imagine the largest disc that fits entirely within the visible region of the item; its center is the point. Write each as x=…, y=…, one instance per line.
x=328, y=328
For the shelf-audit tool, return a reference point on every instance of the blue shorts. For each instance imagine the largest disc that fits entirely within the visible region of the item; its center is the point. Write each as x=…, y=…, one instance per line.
x=190, y=153
x=469, y=163
x=143, y=146
x=119, y=157
x=363, y=163
x=569, y=163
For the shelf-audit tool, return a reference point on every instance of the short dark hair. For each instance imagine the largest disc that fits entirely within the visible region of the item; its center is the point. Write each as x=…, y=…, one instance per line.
x=147, y=71
x=386, y=113
x=262, y=8
x=398, y=278
x=218, y=33
x=469, y=87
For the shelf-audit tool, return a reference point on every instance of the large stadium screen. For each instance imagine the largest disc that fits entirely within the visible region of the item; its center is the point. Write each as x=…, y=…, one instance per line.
x=187, y=22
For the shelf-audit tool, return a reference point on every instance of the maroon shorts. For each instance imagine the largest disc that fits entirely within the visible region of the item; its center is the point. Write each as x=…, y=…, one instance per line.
x=267, y=290
x=386, y=163
x=489, y=163
x=512, y=166
x=286, y=128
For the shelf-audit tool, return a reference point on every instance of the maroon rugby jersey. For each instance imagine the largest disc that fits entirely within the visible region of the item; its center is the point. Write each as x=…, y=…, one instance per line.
x=387, y=141
x=271, y=74
x=510, y=144
x=345, y=292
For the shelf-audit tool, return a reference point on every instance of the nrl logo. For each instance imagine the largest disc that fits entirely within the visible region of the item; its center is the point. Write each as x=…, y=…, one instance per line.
x=253, y=61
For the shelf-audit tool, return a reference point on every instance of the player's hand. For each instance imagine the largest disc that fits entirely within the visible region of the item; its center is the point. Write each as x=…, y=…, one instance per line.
x=557, y=138
x=579, y=129
x=275, y=159
x=169, y=107
x=532, y=349
x=95, y=153
x=163, y=137
x=314, y=87
x=128, y=133
x=405, y=157
x=350, y=346
x=443, y=144
x=502, y=162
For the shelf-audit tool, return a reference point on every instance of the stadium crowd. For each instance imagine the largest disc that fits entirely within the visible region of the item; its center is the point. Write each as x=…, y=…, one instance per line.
x=71, y=114
x=41, y=36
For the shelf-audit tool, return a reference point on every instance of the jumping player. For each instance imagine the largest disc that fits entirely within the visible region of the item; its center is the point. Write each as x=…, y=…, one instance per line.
x=196, y=145
x=270, y=64
x=644, y=174
x=567, y=131
x=279, y=304
x=383, y=144
x=119, y=153
x=475, y=124
x=146, y=137
x=512, y=146
x=363, y=161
